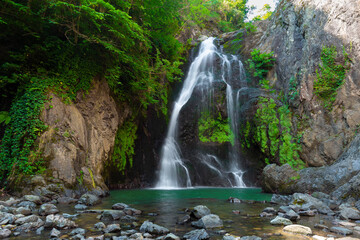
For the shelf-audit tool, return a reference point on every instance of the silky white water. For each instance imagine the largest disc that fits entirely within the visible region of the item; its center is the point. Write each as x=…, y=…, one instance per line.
x=173, y=171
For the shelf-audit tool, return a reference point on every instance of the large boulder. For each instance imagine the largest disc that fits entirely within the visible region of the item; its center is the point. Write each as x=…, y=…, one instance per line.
x=47, y=209
x=59, y=221
x=199, y=234
x=152, y=228
x=208, y=221
x=309, y=202
x=201, y=211
x=279, y=178
x=298, y=229
x=89, y=199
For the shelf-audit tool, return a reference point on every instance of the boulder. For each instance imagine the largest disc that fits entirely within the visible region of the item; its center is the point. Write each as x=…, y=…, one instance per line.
x=170, y=236
x=99, y=226
x=309, y=202
x=292, y=215
x=119, y=206
x=27, y=204
x=349, y=213
x=110, y=215
x=208, y=221
x=199, y=234
x=47, y=209
x=89, y=199
x=279, y=178
x=30, y=226
x=280, y=221
x=76, y=231
x=33, y=198
x=341, y=230
x=28, y=219
x=152, y=228
x=80, y=207
x=132, y=211
x=200, y=211
x=66, y=200
x=298, y=229
x=59, y=221
x=4, y=233
x=54, y=233
x=230, y=237
x=112, y=228
x=22, y=210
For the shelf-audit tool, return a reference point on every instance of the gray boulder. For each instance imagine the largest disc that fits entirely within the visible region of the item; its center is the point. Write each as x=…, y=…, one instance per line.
x=33, y=198
x=119, y=206
x=27, y=204
x=59, y=221
x=170, y=236
x=4, y=233
x=89, y=199
x=341, y=230
x=250, y=238
x=152, y=228
x=199, y=234
x=280, y=221
x=23, y=210
x=110, y=215
x=54, y=233
x=349, y=213
x=80, y=207
x=292, y=215
x=112, y=228
x=30, y=226
x=279, y=178
x=132, y=211
x=76, y=231
x=99, y=226
x=47, y=209
x=201, y=211
x=310, y=202
x=208, y=221
x=28, y=219
x=66, y=200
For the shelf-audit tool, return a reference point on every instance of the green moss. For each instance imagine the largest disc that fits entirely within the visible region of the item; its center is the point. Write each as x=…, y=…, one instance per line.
x=330, y=75
x=214, y=129
x=122, y=157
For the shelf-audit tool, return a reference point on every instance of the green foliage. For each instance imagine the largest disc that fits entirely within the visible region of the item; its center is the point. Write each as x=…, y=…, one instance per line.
x=214, y=129
x=4, y=117
x=330, y=75
x=293, y=91
x=22, y=132
x=122, y=157
x=272, y=133
x=266, y=13
x=260, y=64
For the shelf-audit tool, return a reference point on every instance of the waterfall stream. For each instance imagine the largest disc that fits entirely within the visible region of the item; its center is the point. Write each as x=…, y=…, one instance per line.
x=202, y=76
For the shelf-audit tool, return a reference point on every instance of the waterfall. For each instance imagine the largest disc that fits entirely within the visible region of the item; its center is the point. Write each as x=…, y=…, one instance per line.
x=202, y=75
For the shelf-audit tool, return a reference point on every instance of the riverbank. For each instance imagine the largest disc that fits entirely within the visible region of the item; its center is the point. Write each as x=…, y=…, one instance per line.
x=179, y=214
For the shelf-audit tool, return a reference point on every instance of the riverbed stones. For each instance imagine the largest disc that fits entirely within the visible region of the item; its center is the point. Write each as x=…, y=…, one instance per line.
x=198, y=234
x=119, y=206
x=54, y=233
x=112, y=228
x=27, y=204
x=349, y=213
x=341, y=230
x=184, y=219
x=280, y=221
x=4, y=233
x=298, y=229
x=76, y=231
x=47, y=209
x=170, y=236
x=250, y=238
x=132, y=211
x=230, y=237
x=201, y=211
x=81, y=207
x=33, y=198
x=59, y=221
x=28, y=219
x=347, y=224
x=89, y=199
x=308, y=202
x=66, y=200
x=100, y=226
x=292, y=215
x=110, y=215
x=208, y=221
x=152, y=228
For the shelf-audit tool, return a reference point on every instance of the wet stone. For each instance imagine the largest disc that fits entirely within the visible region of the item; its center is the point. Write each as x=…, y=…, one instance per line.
x=341, y=230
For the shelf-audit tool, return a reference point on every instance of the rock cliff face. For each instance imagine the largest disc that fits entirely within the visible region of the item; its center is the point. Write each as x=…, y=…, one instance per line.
x=81, y=136
x=296, y=33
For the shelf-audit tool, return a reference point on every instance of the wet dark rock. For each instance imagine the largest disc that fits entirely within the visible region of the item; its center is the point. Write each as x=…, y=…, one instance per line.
x=208, y=221
x=89, y=199
x=110, y=215
x=270, y=210
x=119, y=206
x=153, y=214
x=350, y=213
x=292, y=215
x=47, y=209
x=152, y=228
x=54, y=233
x=112, y=228
x=322, y=227
x=196, y=235
x=128, y=232
x=99, y=226
x=22, y=210
x=280, y=221
x=66, y=200
x=184, y=219
x=4, y=233
x=200, y=211
x=268, y=215
x=138, y=236
x=80, y=207
x=309, y=213
x=59, y=221
x=132, y=211
x=279, y=177
x=72, y=216
x=33, y=198
x=129, y=219
x=341, y=230
x=310, y=202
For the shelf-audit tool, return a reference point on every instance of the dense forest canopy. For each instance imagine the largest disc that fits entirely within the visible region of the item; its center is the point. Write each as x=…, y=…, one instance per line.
x=61, y=46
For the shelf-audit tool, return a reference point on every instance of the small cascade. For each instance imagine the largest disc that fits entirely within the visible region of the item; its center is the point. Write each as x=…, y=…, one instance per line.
x=209, y=67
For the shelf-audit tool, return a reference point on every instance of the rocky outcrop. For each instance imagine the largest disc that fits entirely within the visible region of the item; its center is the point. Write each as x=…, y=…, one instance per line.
x=296, y=33
x=80, y=136
x=341, y=180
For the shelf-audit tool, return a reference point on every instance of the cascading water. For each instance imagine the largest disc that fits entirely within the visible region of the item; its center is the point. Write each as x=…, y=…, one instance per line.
x=173, y=171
